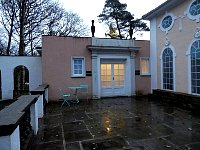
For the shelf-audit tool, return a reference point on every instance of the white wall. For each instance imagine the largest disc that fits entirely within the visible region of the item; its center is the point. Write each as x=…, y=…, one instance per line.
x=7, y=65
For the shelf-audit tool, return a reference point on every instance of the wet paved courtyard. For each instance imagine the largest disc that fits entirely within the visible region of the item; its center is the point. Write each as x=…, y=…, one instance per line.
x=117, y=124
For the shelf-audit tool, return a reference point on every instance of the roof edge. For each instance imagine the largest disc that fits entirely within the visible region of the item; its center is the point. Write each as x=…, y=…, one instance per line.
x=169, y=4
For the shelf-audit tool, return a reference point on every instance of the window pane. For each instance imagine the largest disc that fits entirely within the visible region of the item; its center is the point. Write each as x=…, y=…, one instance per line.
x=167, y=59
x=80, y=72
x=78, y=66
x=116, y=66
x=121, y=66
x=144, y=66
x=103, y=67
x=75, y=71
x=116, y=78
x=103, y=72
x=116, y=72
x=106, y=76
x=103, y=78
x=108, y=66
x=109, y=78
x=195, y=67
x=121, y=72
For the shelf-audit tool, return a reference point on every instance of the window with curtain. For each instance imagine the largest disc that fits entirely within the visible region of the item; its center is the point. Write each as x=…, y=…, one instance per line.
x=195, y=67
x=144, y=66
x=167, y=69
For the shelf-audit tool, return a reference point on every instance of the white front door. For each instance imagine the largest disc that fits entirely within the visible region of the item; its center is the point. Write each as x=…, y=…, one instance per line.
x=112, y=79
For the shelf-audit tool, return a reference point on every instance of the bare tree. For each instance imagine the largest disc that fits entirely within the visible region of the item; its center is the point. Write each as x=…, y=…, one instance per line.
x=72, y=25
x=2, y=48
x=39, y=10
x=31, y=15
x=8, y=17
x=53, y=20
x=63, y=23
x=25, y=21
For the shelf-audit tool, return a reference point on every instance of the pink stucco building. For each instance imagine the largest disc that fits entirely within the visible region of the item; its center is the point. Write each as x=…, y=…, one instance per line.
x=110, y=67
x=175, y=45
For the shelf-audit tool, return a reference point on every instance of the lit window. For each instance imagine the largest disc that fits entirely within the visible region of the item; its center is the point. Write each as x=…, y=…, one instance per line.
x=195, y=67
x=78, y=67
x=144, y=66
x=167, y=69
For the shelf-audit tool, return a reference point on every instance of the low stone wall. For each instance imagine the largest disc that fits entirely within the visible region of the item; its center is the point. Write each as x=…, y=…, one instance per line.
x=182, y=100
x=17, y=123
x=4, y=103
x=19, y=120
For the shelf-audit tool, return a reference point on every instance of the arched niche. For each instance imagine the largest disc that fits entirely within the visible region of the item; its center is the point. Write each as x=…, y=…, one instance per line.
x=21, y=81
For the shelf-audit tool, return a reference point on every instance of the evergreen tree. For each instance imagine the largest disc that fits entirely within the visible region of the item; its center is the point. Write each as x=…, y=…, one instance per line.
x=115, y=13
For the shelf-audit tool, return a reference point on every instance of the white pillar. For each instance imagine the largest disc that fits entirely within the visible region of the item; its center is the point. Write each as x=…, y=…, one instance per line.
x=132, y=59
x=94, y=77
x=46, y=95
x=34, y=117
x=10, y=142
x=153, y=54
x=40, y=106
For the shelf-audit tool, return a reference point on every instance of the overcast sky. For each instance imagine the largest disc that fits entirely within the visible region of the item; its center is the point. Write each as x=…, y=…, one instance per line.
x=89, y=10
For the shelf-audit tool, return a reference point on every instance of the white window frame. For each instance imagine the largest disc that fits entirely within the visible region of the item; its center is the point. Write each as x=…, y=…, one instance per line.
x=188, y=54
x=72, y=66
x=174, y=68
x=170, y=27
x=145, y=74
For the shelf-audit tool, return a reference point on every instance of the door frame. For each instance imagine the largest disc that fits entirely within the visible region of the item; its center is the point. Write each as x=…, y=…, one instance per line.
x=111, y=57
x=113, y=89
x=113, y=49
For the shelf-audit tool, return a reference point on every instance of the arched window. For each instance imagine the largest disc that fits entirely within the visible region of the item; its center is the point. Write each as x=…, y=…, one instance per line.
x=195, y=67
x=167, y=69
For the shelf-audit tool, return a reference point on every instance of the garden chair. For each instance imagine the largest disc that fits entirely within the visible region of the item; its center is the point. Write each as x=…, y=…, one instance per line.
x=65, y=97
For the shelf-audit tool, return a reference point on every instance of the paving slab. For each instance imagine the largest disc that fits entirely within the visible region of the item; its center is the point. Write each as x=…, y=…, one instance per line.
x=122, y=123
x=113, y=143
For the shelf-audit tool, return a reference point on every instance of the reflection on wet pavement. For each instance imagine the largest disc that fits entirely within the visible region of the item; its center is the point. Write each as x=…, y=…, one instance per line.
x=118, y=123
